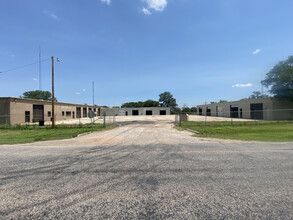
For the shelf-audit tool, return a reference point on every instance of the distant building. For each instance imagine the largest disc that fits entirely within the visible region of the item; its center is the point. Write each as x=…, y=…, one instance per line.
x=20, y=110
x=260, y=109
x=136, y=111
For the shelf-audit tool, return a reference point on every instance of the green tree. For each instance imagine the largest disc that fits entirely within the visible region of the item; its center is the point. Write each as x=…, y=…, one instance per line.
x=151, y=103
x=167, y=100
x=280, y=79
x=38, y=94
x=193, y=109
x=257, y=95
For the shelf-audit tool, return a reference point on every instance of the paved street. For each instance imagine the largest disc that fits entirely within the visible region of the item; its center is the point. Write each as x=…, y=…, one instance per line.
x=146, y=171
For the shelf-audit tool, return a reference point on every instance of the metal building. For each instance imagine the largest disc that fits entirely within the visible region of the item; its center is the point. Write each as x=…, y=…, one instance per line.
x=260, y=109
x=136, y=111
x=20, y=110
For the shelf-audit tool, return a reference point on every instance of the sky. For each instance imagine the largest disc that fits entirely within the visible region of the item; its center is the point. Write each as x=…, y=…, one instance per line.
x=133, y=50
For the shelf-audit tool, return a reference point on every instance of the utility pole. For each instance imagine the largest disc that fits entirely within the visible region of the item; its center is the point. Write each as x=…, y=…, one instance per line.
x=40, y=70
x=53, y=96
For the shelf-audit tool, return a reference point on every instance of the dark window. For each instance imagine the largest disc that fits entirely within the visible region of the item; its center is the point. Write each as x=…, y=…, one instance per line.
x=49, y=114
x=62, y=113
x=149, y=112
x=73, y=115
x=68, y=114
x=27, y=116
x=163, y=112
x=134, y=112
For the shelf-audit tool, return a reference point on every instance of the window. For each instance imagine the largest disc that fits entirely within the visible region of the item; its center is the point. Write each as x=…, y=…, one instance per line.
x=27, y=116
x=68, y=114
x=49, y=114
x=62, y=113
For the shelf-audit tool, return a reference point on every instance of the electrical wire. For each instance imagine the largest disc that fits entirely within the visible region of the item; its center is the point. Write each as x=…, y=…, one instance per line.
x=21, y=67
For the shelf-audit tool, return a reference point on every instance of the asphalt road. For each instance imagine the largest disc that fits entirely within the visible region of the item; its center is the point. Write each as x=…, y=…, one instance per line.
x=146, y=171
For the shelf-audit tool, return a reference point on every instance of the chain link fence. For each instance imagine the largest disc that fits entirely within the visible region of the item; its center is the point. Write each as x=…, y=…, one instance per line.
x=41, y=120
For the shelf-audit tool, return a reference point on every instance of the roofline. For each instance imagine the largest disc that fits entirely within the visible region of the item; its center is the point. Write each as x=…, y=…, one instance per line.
x=46, y=101
x=258, y=99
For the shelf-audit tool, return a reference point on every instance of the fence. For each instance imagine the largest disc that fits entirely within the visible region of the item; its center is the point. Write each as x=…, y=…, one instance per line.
x=205, y=115
x=41, y=119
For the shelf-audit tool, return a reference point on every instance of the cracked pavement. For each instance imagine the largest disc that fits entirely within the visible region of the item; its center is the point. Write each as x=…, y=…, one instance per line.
x=146, y=170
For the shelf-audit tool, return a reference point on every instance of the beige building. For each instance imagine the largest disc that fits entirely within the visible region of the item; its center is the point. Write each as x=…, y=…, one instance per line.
x=261, y=109
x=20, y=110
x=136, y=111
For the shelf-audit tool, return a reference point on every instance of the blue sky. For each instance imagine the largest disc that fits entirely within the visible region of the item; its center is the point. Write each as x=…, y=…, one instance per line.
x=133, y=50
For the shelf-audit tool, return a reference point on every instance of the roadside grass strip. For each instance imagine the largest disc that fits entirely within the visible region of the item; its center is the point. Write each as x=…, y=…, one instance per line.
x=20, y=134
x=272, y=131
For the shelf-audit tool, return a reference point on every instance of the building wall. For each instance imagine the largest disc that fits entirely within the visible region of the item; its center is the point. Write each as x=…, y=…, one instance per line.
x=15, y=110
x=270, y=107
x=129, y=111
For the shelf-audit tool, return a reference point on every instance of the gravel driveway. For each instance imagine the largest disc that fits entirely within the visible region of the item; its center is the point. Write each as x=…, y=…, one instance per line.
x=146, y=170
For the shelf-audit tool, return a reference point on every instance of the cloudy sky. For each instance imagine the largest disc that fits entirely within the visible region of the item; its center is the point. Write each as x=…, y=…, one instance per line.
x=133, y=50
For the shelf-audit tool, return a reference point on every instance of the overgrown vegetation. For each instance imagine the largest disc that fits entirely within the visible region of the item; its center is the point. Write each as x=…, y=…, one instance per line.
x=274, y=131
x=19, y=134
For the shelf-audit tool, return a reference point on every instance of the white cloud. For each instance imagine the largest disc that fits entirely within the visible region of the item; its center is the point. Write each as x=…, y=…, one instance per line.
x=51, y=14
x=146, y=11
x=108, y=2
x=158, y=5
x=242, y=85
x=83, y=90
x=35, y=79
x=256, y=51
x=77, y=93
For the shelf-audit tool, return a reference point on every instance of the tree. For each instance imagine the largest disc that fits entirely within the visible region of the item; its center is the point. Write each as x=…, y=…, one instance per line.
x=222, y=101
x=193, y=109
x=150, y=103
x=167, y=100
x=38, y=94
x=257, y=95
x=280, y=79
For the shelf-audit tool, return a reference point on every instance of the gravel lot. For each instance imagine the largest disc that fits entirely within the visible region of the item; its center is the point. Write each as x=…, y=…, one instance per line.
x=146, y=170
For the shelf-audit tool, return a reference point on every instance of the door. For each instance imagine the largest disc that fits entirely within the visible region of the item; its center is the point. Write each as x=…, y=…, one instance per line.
x=38, y=113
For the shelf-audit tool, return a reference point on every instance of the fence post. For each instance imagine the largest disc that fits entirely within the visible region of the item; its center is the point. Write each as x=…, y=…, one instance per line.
x=180, y=118
x=104, y=114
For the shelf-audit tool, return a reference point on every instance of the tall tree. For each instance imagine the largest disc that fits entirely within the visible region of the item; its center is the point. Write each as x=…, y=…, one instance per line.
x=167, y=100
x=38, y=94
x=280, y=79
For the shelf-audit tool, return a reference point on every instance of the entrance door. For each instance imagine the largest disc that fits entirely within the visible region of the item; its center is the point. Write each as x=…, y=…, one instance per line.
x=38, y=113
x=256, y=111
x=234, y=111
x=149, y=112
x=134, y=112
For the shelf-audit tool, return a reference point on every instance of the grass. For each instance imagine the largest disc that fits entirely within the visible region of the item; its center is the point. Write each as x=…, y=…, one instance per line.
x=273, y=131
x=19, y=134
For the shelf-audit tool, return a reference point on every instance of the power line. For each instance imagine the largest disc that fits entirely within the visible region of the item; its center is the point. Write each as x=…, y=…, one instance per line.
x=21, y=67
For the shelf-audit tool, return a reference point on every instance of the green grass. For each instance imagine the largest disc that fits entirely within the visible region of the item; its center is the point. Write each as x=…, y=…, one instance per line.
x=19, y=134
x=274, y=131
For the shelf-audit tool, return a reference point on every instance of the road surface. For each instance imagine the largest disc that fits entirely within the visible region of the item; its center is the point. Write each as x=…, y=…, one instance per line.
x=146, y=170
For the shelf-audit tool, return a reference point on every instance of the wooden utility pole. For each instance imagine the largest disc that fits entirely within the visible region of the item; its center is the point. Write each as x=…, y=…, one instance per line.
x=53, y=96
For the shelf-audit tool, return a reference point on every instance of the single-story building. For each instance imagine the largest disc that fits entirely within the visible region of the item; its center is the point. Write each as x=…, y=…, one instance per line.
x=260, y=109
x=20, y=110
x=136, y=111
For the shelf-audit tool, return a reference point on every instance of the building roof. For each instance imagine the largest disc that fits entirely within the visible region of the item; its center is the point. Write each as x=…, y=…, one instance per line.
x=14, y=99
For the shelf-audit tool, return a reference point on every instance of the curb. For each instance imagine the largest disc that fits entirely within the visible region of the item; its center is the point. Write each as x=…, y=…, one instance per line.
x=196, y=132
